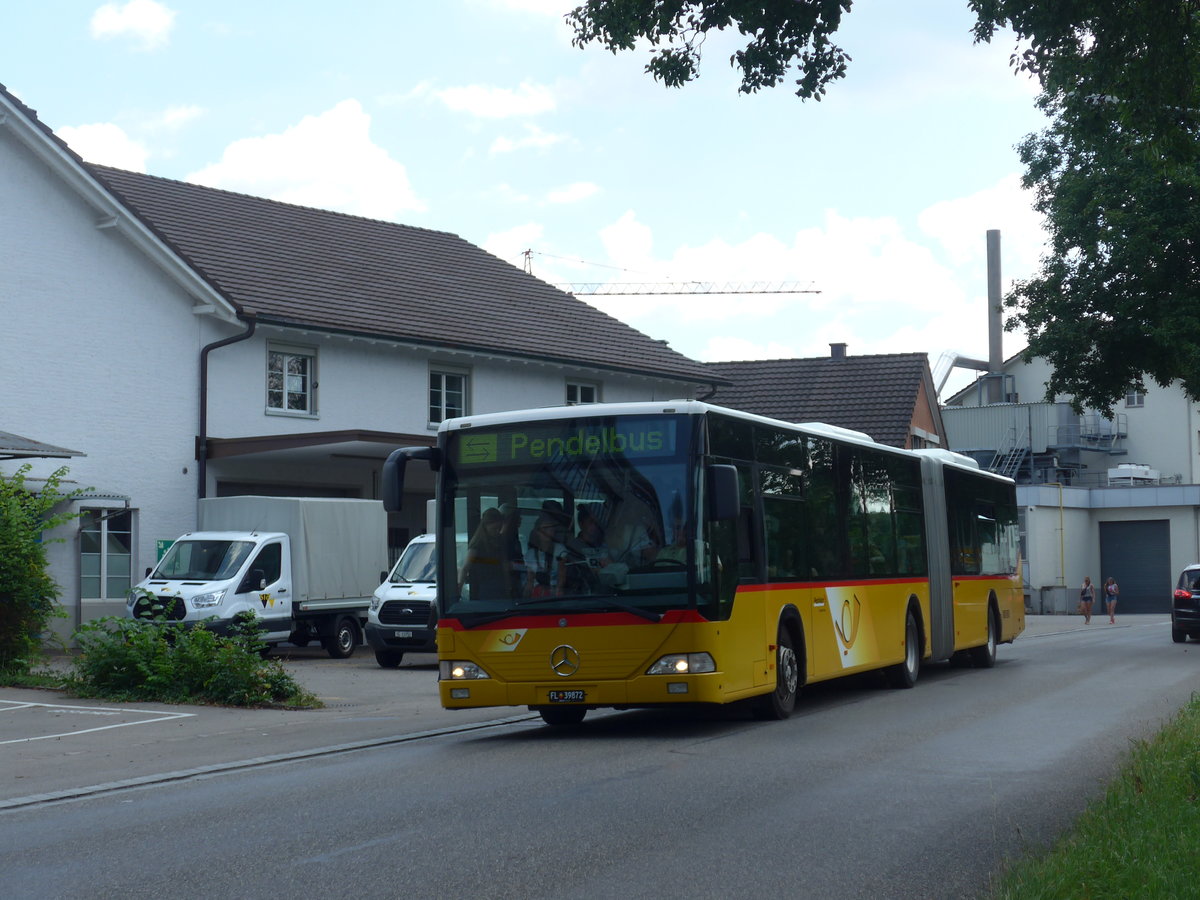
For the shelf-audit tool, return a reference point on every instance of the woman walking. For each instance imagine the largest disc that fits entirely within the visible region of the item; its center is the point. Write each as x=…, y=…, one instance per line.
x=1110, y=598
x=1087, y=596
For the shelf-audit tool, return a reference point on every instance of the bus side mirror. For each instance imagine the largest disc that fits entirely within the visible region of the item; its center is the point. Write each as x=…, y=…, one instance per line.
x=392, y=481
x=724, y=492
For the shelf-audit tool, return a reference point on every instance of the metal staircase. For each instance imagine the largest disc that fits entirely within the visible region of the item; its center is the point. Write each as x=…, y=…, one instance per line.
x=1011, y=454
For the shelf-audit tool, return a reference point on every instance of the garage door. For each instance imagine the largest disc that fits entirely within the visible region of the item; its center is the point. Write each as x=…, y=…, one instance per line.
x=1138, y=556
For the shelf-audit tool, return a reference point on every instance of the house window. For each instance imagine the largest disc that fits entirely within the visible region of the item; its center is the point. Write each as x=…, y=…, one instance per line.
x=1135, y=398
x=105, y=554
x=291, y=380
x=447, y=395
x=579, y=392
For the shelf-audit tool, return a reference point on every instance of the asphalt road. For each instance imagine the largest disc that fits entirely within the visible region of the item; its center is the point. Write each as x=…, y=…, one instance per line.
x=865, y=792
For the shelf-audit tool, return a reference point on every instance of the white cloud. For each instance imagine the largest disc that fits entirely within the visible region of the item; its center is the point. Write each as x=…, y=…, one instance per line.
x=573, y=193
x=489, y=102
x=106, y=144
x=326, y=161
x=723, y=348
x=174, y=117
x=882, y=290
x=145, y=20
x=958, y=225
x=542, y=7
x=534, y=138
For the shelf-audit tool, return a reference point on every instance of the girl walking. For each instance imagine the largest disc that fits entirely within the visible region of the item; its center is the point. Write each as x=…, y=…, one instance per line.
x=1110, y=598
x=1087, y=596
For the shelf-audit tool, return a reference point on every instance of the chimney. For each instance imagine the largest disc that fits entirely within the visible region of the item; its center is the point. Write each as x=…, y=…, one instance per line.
x=837, y=351
x=995, y=321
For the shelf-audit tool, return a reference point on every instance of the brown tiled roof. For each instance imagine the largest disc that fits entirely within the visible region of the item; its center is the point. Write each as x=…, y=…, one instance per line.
x=875, y=394
x=312, y=268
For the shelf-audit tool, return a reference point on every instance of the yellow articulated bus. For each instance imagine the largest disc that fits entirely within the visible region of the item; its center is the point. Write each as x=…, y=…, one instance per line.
x=644, y=554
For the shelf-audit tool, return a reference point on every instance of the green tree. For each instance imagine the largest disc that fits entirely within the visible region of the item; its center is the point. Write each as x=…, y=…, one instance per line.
x=1116, y=175
x=782, y=34
x=27, y=593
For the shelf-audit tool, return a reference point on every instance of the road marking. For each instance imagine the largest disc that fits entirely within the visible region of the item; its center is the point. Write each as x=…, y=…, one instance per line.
x=158, y=716
x=80, y=793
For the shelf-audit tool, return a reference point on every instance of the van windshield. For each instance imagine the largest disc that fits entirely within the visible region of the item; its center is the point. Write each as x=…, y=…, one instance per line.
x=417, y=564
x=203, y=560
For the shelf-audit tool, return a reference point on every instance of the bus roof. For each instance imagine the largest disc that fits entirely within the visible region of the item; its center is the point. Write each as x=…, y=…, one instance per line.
x=659, y=407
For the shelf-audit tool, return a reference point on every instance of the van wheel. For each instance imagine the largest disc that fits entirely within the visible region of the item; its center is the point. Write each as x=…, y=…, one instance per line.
x=345, y=638
x=389, y=659
x=904, y=674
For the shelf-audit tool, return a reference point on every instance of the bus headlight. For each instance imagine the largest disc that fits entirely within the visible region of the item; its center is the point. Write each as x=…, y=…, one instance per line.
x=683, y=664
x=459, y=670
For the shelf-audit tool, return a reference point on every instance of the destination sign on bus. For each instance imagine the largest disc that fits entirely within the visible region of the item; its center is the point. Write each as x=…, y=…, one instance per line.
x=630, y=438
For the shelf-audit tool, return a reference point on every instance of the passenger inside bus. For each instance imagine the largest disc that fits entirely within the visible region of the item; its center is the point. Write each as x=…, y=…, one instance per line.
x=546, y=555
x=487, y=572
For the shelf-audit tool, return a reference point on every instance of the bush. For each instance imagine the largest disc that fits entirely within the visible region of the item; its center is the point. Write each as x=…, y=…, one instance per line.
x=155, y=660
x=27, y=593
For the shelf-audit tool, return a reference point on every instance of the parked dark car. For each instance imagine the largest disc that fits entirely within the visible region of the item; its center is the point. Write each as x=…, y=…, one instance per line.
x=1185, y=606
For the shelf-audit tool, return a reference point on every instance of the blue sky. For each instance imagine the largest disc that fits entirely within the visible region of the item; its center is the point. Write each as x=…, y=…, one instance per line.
x=478, y=117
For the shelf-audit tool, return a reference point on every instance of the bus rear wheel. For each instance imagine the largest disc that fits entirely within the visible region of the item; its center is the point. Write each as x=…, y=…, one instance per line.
x=562, y=715
x=984, y=657
x=780, y=703
x=904, y=674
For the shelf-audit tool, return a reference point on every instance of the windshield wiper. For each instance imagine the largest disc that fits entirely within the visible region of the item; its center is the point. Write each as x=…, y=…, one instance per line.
x=471, y=620
x=609, y=600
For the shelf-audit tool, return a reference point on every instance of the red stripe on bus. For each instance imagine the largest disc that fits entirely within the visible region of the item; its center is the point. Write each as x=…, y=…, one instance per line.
x=577, y=620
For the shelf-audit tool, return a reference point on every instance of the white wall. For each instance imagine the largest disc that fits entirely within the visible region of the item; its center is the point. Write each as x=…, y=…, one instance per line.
x=374, y=385
x=98, y=353
x=100, y=349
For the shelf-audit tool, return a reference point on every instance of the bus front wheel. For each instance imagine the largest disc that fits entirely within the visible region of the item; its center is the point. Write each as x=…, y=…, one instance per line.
x=562, y=715
x=780, y=702
x=904, y=674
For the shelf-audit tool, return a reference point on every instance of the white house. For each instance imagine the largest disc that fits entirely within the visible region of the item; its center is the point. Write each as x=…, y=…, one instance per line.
x=187, y=342
x=1101, y=496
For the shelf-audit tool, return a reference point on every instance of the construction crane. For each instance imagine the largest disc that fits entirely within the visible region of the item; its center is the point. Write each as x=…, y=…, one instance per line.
x=671, y=288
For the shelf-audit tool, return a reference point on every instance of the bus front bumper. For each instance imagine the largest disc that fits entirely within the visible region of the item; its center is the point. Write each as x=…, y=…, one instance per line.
x=648, y=690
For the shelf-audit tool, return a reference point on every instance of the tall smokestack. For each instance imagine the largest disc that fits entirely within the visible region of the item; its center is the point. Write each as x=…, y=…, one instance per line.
x=995, y=321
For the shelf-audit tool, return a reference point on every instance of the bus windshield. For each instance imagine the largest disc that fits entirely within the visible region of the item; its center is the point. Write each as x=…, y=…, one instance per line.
x=572, y=515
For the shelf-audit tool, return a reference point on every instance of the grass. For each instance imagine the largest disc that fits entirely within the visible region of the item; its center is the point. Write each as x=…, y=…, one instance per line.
x=1140, y=840
x=44, y=679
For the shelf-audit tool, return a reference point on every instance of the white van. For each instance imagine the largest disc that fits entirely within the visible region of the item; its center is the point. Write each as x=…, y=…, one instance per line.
x=404, y=611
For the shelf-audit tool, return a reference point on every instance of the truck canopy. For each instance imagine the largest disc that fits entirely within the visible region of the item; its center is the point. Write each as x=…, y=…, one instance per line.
x=339, y=546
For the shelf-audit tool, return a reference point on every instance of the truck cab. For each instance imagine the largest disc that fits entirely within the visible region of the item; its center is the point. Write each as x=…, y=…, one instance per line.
x=214, y=575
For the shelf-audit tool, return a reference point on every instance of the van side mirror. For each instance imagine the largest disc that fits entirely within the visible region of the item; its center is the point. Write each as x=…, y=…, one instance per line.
x=253, y=577
x=391, y=482
x=382, y=577
x=148, y=571
x=724, y=492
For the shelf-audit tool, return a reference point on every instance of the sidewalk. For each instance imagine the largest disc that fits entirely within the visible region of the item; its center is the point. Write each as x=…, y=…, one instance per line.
x=1036, y=625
